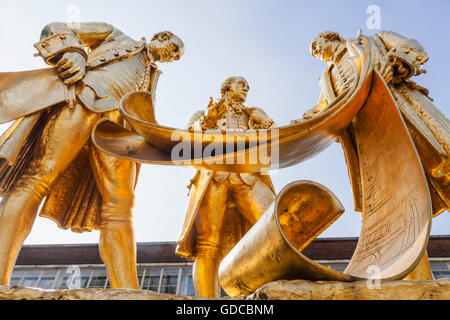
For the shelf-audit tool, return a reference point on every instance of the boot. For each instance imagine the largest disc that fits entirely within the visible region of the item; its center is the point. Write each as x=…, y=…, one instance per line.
x=118, y=252
x=18, y=211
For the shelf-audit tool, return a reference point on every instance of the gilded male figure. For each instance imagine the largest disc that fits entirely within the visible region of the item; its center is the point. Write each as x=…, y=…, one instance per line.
x=397, y=59
x=223, y=205
x=84, y=188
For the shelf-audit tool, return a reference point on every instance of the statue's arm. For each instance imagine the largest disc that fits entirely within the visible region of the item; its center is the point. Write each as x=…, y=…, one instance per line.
x=62, y=46
x=259, y=119
x=394, y=40
x=406, y=55
x=58, y=38
x=92, y=34
x=202, y=120
x=322, y=103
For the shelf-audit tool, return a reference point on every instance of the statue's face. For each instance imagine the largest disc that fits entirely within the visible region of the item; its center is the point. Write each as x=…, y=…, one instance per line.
x=238, y=90
x=325, y=49
x=165, y=51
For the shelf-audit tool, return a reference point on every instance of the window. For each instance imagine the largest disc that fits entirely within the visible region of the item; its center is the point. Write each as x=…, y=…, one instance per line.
x=186, y=283
x=441, y=274
x=151, y=280
x=47, y=278
x=98, y=279
x=440, y=270
x=85, y=275
x=338, y=267
x=141, y=273
x=31, y=278
x=439, y=266
x=62, y=282
x=169, y=281
x=73, y=277
x=16, y=277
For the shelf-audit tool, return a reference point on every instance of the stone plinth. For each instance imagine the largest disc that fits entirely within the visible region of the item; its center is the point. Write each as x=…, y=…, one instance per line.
x=277, y=290
x=361, y=290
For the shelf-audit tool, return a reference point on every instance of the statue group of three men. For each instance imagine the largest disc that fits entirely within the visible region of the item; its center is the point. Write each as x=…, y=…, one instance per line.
x=85, y=188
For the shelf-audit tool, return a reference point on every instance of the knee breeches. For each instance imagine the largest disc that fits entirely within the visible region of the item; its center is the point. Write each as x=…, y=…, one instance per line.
x=66, y=132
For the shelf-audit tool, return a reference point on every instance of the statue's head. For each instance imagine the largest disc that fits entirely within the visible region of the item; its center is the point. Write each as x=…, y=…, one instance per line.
x=235, y=88
x=326, y=45
x=166, y=47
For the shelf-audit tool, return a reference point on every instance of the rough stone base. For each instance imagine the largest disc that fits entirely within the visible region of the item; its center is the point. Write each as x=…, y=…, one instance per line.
x=278, y=290
x=23, y=293
x=331, y=290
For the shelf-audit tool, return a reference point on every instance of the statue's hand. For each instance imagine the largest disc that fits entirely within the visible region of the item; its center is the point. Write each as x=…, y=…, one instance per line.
x=71, y=67
x=215, y=111
x=310, y=114
x=400, y=71
x=258, y=116
x=386, y=70
x=297, y=121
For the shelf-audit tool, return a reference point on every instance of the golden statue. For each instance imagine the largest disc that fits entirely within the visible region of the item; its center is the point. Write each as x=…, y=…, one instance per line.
x=48, y=153
x=223, y=205
x=396, y=145
x=397, y=59
x=387, y=175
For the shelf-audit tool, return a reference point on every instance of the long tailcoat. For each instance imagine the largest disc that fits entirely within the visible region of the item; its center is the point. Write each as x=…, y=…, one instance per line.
x=116, y=65
x=428, y=126
x=235, y=226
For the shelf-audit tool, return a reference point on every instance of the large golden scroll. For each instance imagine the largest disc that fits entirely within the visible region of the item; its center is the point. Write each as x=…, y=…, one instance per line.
x=397, y=209
x=396, y=217
x=241, y=151
x=238, y=151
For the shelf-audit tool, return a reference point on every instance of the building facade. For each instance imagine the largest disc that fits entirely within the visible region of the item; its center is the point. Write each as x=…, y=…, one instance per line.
x=160, y=270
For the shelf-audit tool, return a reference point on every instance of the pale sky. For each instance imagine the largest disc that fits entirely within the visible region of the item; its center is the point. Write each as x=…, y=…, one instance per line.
x=266, y=42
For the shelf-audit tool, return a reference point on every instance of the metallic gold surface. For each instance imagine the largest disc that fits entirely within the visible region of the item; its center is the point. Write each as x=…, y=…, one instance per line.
x=394, y=231
x=422, y=271
x=23, y=93
x=396, y=145
x=222, y=205
x=271, y=249
x=396, y=219
x=15, y=146
x=48, y=154
x=395, y=225
x=296, y=142
x=162, y=140
x=397, y=59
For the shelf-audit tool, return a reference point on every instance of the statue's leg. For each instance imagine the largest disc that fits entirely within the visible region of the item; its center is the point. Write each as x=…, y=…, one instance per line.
x=208, y=225
x=252, y=200
x=115, y=179
x=65, y=133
